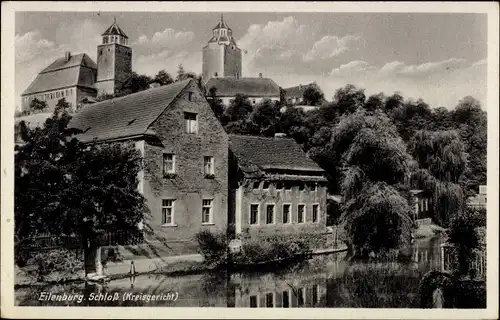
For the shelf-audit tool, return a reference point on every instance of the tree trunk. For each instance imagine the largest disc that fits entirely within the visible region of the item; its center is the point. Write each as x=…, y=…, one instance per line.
x=98, y=262
x=93, y=263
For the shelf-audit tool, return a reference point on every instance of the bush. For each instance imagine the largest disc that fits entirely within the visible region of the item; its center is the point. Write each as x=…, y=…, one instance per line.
x=61, y=261
x=213, y=247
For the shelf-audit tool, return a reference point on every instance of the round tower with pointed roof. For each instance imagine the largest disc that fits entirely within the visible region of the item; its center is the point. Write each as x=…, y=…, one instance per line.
x=114, y=60
x=221, y=56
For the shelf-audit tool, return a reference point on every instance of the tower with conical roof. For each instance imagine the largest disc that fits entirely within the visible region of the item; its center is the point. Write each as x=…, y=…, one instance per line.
x=114, y=60
x=221, y=56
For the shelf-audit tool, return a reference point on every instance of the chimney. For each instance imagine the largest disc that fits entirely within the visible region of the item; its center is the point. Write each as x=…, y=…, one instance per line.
x=260, y=75
x=67, y=55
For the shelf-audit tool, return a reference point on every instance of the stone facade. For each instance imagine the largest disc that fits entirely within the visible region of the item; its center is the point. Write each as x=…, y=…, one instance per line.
x=266, y=193
x=114, y=66
x=221, y=56
x=187, y=186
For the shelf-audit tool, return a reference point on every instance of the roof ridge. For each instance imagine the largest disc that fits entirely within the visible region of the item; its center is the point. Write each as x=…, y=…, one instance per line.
x=261, y=137
x=139, y=92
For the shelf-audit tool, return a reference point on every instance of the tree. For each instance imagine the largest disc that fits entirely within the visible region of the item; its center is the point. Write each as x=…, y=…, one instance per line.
x=443, y=162
x=265, y=118
x=239, y=108
x=410, y=117
x=216, y=104
x=292, y=123
x=471, y=122
x=376, y=163
x=163, y=78
x=348, y=99
x=135, y=83
x=313, y=96
x=375, y=102
x=37, y=105
x=63, y=187
x=183, y=75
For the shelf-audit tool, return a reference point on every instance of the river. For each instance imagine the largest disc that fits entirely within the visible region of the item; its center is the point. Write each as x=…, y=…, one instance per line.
x=323, y=281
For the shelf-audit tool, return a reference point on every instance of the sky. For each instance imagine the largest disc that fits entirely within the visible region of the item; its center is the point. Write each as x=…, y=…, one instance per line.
x=440, y=57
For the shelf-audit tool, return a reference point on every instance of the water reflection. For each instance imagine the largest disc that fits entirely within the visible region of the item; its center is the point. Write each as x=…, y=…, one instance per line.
x=323, y=281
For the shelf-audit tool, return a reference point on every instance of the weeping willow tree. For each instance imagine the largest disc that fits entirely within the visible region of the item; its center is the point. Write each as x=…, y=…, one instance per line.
x=376, y=164
x=443, y=164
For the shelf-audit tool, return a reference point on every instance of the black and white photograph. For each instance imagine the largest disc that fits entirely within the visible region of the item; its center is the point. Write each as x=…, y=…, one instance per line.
x=255, y=156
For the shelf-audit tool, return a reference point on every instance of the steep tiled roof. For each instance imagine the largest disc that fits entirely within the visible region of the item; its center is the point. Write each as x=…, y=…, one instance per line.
x=114, y=30
x=63, y=73
x=252, y=87
x=262, y=153
x=126, y=116
x=298, y=91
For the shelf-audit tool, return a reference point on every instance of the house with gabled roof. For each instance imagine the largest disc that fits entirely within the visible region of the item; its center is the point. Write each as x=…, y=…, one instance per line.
x=295, y=95
x=274, y=187
x=71, y=77
x=255, y=89
x=185, y=152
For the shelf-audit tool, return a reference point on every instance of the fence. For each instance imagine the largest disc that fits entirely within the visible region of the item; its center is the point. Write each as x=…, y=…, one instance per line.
x=477, y=261
x=50, y=242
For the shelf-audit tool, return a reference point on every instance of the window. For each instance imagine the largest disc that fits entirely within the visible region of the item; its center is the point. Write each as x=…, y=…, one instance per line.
x=279, y=186
x=254, y=214
x=288, y=186
x=256, y=185
x=191, y=122
x=301, y=187
x=314, y=187
x=270, y=300
x=301, y=213
x=270, y=214
x=426, y=204
x=286, y=213
x=254, y=302
x=315, y=212
x=285, y=299
x=167, y=211
x=168, y=163
x=216, y=74
x=190, y=96
x=67, y=92
x=253, y=101
x=266, y=185
x=314, y=295
x=301, y=296
x=206, y=215
x=208, y=165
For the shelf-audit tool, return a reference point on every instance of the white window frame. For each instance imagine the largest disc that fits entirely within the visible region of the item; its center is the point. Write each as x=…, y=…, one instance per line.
x=289, y=212
x=274, y=299
x=317, y=295
x=250, y=214
x=165, y=154
x=172, y=213
x=211, y=211
x=303, y=289
x=211, y=170
x=304, y=215
x=289, y=298
x=191, y=125
x=274, y=212
x=257, y=296
x=318, y=213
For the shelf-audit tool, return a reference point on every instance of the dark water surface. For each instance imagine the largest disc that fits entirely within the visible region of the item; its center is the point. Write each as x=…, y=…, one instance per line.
x=323, y=281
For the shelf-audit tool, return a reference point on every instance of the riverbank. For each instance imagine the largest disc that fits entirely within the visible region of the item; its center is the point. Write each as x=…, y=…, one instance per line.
x=169, y=266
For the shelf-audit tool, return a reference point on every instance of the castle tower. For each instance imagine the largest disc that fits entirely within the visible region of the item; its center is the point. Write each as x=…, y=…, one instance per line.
x=114, y=60
x=221, y=56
